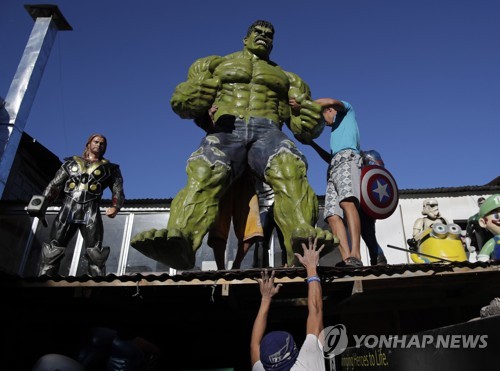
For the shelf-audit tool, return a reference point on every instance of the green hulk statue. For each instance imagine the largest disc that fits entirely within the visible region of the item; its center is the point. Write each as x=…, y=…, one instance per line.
x=252, y=97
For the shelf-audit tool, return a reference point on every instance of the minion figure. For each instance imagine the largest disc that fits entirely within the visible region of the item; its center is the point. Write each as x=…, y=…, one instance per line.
x=440, y=241
x=489, y=218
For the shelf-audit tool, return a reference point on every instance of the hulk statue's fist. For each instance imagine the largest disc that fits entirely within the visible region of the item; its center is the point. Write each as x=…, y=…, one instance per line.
x=193, y=99
x=308, y=125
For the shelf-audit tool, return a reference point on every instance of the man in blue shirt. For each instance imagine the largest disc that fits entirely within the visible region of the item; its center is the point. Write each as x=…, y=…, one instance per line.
x=344, y=174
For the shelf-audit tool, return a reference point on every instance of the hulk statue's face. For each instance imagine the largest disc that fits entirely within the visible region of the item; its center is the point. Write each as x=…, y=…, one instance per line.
x=260, y=41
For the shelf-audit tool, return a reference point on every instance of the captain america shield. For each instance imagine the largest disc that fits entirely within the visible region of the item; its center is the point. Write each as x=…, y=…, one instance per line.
x=379, y=192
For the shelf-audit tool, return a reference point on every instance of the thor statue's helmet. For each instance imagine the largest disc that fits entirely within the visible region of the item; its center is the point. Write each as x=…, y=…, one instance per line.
x=431, y=209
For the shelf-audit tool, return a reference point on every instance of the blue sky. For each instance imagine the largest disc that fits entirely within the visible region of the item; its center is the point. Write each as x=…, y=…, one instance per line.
x=423, y=77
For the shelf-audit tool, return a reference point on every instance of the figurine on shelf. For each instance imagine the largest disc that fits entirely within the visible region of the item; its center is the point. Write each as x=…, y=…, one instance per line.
x=437, y=244
x=434, y=239
x=431, y=215
x=475, y=235
x=83, y=181
x=489, y=218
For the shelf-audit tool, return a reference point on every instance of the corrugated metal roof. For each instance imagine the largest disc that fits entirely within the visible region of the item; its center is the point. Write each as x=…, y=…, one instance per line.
x=327, y=274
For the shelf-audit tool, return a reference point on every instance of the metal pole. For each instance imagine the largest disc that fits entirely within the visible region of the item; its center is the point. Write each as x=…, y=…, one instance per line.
x=22, y=91
x=420, y=253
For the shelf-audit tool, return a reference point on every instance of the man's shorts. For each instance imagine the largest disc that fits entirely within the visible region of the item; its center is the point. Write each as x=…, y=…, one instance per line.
x=239, y=203
x=344, y=178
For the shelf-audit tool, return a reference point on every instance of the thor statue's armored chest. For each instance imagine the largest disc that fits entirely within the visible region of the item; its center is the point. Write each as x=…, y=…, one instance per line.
x=87, y=180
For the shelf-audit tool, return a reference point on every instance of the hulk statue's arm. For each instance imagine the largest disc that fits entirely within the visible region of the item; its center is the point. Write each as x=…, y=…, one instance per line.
x=193, y=98
x=305, y=122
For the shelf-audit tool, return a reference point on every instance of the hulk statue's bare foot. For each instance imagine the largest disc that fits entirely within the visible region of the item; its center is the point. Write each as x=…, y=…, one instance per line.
x=169, y=248
x=300, y=236
x=326, y=237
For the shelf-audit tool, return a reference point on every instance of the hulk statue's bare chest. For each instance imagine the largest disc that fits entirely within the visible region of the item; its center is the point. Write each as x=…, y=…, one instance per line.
x=255, y=72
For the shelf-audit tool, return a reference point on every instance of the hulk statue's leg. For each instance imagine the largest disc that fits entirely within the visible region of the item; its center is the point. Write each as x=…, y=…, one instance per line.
x=194, y=210
x=192, y=213
x=295, y=204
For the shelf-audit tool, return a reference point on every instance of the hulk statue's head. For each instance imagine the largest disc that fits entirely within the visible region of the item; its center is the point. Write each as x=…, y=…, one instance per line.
x=259, y=39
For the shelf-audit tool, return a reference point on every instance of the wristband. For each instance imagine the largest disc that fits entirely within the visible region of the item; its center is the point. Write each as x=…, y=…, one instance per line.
x=313, y=278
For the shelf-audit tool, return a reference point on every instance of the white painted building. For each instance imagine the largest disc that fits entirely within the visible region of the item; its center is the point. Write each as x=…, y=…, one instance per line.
x=23, y=235
x=397, y=229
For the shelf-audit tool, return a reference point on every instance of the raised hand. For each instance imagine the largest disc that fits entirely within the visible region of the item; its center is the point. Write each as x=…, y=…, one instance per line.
x=267, y=287
x=311, y=254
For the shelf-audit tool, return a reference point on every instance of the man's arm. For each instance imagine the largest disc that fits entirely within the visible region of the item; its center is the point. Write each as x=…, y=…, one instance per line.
x=325, y=155
x=310, y=261
x=267, y=290
x=206, y=122
x=330, y=102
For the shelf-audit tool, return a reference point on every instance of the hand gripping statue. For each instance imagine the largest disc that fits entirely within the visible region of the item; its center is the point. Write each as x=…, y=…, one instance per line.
x=252, y=96
x=489, y=218
x=83, y=181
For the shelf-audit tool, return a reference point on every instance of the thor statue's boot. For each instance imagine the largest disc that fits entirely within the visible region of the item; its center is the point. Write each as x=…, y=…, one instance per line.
x=97, y=260
x=51, y=258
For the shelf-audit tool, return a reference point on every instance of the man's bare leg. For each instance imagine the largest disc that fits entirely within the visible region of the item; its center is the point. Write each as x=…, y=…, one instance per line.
x=243, y=248
x=338, y=229
x=219, y=246
x=354, y=225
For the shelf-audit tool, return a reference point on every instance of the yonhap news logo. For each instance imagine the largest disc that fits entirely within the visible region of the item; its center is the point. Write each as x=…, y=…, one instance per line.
x=442, y=341
x=335, y=341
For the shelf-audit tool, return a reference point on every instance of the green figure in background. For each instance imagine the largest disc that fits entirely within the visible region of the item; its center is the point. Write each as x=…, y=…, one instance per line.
x=252, y=95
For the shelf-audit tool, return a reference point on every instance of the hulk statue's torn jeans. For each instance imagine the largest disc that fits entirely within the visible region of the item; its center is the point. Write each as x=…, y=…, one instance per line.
x=221, y=158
